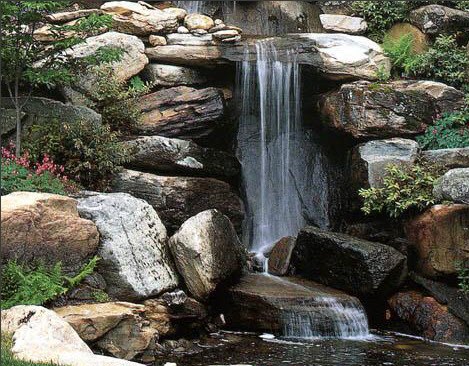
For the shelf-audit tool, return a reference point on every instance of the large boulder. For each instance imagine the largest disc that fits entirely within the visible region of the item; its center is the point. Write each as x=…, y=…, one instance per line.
x=162, y=154
x=453, y=186
x=448, y=158
x=207, y=252
x=370, y=159
x=176, y=199
x=343, y=23
x=136, y=262
x=399, y=108
x=181, y=112
x=428, y=317
x=198, y=21
x=354, y=265
x=440, y=237
x=437, y=19
x=280, y=256
x=40, y=335
x=42, y=227
x=170, y=75
x=420, y=42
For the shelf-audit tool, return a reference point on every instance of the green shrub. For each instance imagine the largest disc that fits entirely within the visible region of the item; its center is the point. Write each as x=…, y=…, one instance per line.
x=463, y=277
x=404, y=190
x=401, y=53
x=449, y=132
x=101, y=296
x=462, y=5
x=90, y=153
x=22, y=285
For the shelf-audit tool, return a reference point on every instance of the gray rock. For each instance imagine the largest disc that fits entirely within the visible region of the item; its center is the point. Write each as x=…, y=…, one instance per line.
x=448, y=158
x=182, y=30
x=162, y=154
x=436, y=19
x=453, y=186
x=354, y=265
x=136, y=262
x=8, y=120
x=207, y=252
x=280, y=256
x=170, y=75
x=198, y=21
x=182, y=39
x=157, y=40
x=176, y=199
x=343, y=23
x=370, y=160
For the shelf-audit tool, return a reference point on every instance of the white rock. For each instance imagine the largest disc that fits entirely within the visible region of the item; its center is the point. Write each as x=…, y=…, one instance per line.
x=199, y=32
x=170, y=75
x=136, y=262
x=178, y=12
x=189, y=39
x=343, y=23
x=223, y=34
x=232, y=39
x=198, y=21
x=218, y=21
x=182, y=30
x=157, y=40
x=124, y=8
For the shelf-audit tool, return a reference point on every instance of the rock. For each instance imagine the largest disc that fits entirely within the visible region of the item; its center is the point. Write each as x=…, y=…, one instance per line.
x=453, y=186
x=354, y=265
x=8, y=121
x=420, y=39
x=399, y=108
x=182, y=30
x=232, y=39
x=157, y=40
x=199, y=32
x=190, y=39
x=170, y=75
x=447, y=158
x=181, y=112
x=370, y=159
x=178, y=12
x=456, y=301
x=440, y=237
x=207, y=252
x=223, y=34
x=260, y=304
x=429, y=318
x=279, y=257
x=217, y=28
x=46, y=227
x=124, y=7
x=218, y=22
x=67, y=16
x=198, y=21
x=343, y=23
x=161, y=154
x=436, y=19
x=136, y=262
x=176, y=199
x=336, y=7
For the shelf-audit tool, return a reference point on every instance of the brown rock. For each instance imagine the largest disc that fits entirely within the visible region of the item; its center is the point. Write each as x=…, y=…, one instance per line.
x=441, y=239
x=46, y=227
x=421, y=40
x=429, y=318
x=67, y=16
x=279, y=258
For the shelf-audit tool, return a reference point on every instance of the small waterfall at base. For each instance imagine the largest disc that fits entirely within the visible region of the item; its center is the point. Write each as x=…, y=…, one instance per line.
x=190, y=6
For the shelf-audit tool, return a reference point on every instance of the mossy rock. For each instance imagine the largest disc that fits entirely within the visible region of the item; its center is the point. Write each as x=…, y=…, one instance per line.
x=421, y=40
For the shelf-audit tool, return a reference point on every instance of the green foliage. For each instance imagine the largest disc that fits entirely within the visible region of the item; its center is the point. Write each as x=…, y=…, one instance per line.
x=449, y=132
x=401, y=53
x=404, y=190
x=101, y=296
x=19, y=178
x=463, y=277
x=383, y=74
x=23, y=285
x=462, y=5
x=90, y=153
x=7, y=357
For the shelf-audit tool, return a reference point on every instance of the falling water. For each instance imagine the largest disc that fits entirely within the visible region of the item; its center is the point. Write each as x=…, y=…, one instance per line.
x=190, y=6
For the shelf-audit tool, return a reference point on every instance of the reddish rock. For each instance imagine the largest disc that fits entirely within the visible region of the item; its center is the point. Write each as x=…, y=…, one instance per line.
x=279, y=258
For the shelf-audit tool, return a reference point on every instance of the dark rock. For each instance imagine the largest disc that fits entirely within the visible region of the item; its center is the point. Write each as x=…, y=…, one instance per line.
x=176, y=199
x=453, y=186
x=182, y=112
x=399, y=108
x=279, y=257
x=448, y=158
x=436, y=19
x=354, y=265
x=429, y=318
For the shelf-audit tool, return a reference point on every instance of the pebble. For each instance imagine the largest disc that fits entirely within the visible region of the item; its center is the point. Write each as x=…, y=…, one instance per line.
x=183, y=30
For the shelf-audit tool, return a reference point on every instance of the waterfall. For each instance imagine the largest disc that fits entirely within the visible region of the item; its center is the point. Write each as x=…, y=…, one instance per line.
x=190, y=6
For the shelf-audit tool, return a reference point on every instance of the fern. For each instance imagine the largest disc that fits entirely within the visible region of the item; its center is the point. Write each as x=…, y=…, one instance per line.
x=87, y=270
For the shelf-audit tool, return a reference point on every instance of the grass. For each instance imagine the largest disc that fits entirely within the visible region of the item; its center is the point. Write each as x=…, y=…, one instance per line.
x=7, y=358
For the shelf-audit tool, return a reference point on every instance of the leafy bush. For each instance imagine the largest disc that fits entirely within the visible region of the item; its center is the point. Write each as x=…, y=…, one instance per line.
x=404, y=190
x=23, y=285
x=462, y=5
x=463, y=277
x=400, y=52
x=449, y=132
x=90, y=153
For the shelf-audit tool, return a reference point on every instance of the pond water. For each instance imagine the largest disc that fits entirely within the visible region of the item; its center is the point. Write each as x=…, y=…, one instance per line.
x=383, y=350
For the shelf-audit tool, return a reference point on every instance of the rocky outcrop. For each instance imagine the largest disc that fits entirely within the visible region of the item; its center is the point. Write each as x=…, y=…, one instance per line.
x=370, y=160
x=162, y=154
x=136, y=262
x=46, y=227
x=429, y=318
x=181, y=112
x=207, y=252
x=420, y=41
x=170, y=75
x=437, y=19
x=343, y=24
x=280, y=255
x=399, y=108
x=448, y=158
x=440, y=237
x=354, y=265
x=40, y=335
x=176, y=199
x=453, y=186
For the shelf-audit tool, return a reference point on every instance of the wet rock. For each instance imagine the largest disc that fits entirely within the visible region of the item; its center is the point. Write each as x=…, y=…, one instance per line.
x=440, y=237
x=354, y=265
x=420, y=42
x=136, y=262
x=162, y=154
x=436, y=19
x=207, y=252
x=176, y=199
x=181, y=112
x=157, y=40
x=343, y=23
x=429, y=318
x=279, y=257
x=448, y=158
x=399, y=108
x=46, y=227
x=453, y=186
x=170, y=75
x=198, y=21
x=370, y=160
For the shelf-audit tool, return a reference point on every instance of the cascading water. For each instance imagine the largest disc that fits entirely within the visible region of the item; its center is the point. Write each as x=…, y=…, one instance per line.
x=190, y=6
